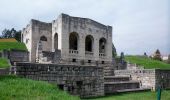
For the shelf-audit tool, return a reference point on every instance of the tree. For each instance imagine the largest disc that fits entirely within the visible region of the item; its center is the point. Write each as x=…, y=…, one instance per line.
x=7, y=33
x=17, y=36
x=157, y=55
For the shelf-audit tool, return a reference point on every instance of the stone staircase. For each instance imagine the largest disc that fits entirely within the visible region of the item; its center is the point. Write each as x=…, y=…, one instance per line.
x=116, y=84
x=108, y=71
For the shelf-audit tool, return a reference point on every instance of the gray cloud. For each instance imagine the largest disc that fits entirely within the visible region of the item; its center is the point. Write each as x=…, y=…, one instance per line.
x=138, y=25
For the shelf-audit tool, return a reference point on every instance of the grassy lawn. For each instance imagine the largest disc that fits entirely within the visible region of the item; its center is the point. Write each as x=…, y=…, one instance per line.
x=12, y=45
x=136, y=96
x=148, y=63
x=14, y=88
x=4, y=63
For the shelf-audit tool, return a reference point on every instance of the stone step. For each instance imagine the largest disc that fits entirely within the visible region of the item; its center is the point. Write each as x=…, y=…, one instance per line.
x=122, y=82
x=108, y=73
x=116, y=78
x=129, y=90
x=111, y=87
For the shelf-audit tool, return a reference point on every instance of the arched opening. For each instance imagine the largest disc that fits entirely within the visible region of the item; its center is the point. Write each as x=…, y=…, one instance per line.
x=89, y=43
x=43, y=38
x=73, y=41
x=102, y=45
x=56, y=41
x=43, y=41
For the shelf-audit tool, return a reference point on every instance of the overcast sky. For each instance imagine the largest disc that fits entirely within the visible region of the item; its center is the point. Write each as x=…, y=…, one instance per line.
x=138, y=25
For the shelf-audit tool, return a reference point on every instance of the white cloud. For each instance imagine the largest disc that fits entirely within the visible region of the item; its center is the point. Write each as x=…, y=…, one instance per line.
x=138, y=25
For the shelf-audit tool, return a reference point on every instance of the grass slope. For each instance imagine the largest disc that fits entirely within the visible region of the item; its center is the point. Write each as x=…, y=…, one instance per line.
x=136, y=96
x=4, y=63
x=12, y=45
x=147, y=62
x=14, y=88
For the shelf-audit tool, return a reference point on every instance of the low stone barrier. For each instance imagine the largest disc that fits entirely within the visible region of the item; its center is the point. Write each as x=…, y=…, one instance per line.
x=4, y=71
x=149, y=78
x=162, y=78
x=86, y=81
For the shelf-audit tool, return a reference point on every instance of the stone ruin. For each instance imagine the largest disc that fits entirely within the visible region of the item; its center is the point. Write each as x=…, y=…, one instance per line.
x=76, y=54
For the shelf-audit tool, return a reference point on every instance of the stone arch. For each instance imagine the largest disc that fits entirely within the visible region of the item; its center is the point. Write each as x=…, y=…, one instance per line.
x=73, y=41
x=43, y=41
x=102, y=45
x=43, y=38
x=56, y=41
x=89, y=40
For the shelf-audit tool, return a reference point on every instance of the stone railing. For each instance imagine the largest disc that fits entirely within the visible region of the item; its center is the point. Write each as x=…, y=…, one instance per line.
x=89, y=53
x=101, y=54
x=73, y=51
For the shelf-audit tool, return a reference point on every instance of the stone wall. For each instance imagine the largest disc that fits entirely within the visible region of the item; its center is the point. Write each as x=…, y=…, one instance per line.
x=163, y=78
x=86, y=81
x=149, y=78
x=131, y=66
x=4, y=71
x=18, y=56
x=146, y=76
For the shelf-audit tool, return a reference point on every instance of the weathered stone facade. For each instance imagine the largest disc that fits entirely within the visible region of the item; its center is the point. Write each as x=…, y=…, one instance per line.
x=86, y=81
x=78, y=39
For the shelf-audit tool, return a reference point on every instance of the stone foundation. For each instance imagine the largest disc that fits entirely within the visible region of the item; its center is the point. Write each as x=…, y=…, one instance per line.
x=85, y=81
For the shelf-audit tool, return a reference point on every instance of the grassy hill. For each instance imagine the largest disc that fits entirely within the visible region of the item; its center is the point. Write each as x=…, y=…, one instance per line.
x=148, y=63
x=12, y=45
x=14, y=88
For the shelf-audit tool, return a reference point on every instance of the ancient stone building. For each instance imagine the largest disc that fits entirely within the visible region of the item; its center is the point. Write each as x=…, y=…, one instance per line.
x=76, y=54
x=68, y=39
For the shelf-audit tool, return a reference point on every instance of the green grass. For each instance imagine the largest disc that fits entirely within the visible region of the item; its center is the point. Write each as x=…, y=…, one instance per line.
x=4, y=63
x=136, y=96
x=148, y=63
x=12, y=45
x=14, y=88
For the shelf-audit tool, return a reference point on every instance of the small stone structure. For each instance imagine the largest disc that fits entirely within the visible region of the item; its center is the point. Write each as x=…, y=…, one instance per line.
x=149, y=78
x=86, y=81
x=16, y=55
